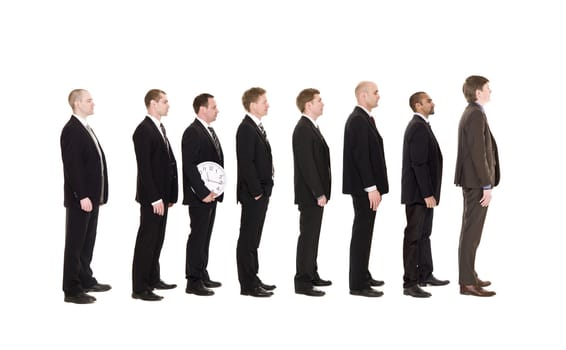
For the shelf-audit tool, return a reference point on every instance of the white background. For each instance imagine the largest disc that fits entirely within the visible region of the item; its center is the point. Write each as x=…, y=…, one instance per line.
x=119, y=50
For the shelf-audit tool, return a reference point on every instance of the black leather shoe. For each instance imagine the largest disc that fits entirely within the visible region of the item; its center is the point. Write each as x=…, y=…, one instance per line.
x=98, y=287
x=162, y=285
x=375, y=283
x=416, y=292
x=268, y=287
x=147, y=296
x=81, y=298
x=212, y=284
x=370, y=293
x=257, y=292
x=433, y=281
x=198, y=288
x=321, y=283
x=313, y=292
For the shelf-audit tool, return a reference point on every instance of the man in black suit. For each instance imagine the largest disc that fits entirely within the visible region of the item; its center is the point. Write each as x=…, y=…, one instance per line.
x=157, y=188
x=312, y=189
x=477, y=172
x=421, y=181
x=85, y=190
x=254, y=185
x=200, y=144
x=365, y=179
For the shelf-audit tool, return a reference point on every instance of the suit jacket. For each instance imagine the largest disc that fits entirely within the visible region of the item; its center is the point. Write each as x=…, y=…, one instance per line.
x=81, y=166
x=197, y=147
x=311, y=164
x=364, y=159
x=255, y=163
x=477, y=164
x=157, y=168
x=422, y=163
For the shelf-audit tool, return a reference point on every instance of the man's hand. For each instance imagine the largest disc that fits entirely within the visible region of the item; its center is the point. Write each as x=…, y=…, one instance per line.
x=86, y=204
x=486, y=199
x=430, y=202
x=210, y=198
x=374, y=199
x=322, y=201
x=159, y=208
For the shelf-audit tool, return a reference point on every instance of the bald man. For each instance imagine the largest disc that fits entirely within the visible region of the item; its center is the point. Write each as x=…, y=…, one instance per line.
x=86, y=189
x=365, y=179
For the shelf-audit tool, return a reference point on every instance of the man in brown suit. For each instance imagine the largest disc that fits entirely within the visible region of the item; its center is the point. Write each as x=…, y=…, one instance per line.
x=477, y=172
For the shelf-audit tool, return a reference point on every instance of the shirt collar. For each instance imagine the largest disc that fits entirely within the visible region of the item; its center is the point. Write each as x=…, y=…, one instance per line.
x=81, y=119
x=256, y=120
x=205, y=124
x=480, y=106
x=155, y=121
x=365, y=110
x=422, y=116
x=312, y=120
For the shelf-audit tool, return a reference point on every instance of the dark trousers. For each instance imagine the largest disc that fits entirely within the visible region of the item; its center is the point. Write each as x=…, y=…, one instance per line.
x=198, y=243
x=80, y=235
x=417, y=255
x=473, y=219
x=251, y=227
x=360, y=244
x=151, y=233
x=307, y=246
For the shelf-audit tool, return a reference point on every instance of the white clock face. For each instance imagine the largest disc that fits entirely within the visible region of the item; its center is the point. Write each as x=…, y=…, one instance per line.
x=213, y=176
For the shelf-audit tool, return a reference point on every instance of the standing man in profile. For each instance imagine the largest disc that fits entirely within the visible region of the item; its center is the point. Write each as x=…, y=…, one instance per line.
x=477, y=172
x=421, y=181
x=200, y=143
x=254, y=186
x=157, y=188
x=85, y=190
x=311, y=157
x=365, y=179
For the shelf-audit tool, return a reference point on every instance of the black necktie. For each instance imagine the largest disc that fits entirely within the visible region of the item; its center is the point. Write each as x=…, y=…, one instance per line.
x=216, y=142
x=165, y=138
x=372, y=121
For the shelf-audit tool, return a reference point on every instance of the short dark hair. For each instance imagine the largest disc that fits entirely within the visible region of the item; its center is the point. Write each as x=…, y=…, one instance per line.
x=415, y=98
x=251, y=95
x=471, y=85
x=305, y=96
x=201, y=101
x=153, y=95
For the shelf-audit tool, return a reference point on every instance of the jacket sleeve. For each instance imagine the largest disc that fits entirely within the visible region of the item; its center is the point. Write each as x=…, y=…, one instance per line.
x=305, y=154
x=142, y=146
x=475, y=141
x=71, y=150
x=359, y=140
x=419, y=144
x=191, y=147
x=245, y=149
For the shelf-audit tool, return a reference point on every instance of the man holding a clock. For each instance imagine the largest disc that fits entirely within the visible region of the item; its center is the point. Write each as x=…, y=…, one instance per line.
x=203, y=186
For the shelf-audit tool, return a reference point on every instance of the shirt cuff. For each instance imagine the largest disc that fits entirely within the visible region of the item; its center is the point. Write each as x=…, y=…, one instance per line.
x=488, y=187
x=157, y=202
x=370, y=189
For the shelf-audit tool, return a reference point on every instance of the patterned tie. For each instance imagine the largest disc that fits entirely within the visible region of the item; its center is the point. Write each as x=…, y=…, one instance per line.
x=216, y=142
x=262, y=130
x=267, y=141
x=93, y=136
